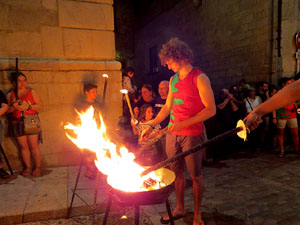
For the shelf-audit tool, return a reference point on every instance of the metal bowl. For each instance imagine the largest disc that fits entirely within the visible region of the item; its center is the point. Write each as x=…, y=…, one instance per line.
x=149, y=197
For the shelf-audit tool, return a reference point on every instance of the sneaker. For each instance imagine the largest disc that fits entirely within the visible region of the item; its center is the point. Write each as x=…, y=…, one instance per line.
x=3, y=173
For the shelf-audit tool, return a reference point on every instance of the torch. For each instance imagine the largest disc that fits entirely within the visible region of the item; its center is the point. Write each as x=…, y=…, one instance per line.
x=124, y=91
x=240, y=130
x=105, y=86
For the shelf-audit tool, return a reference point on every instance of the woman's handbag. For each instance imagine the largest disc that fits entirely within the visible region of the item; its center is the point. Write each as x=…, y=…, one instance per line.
x=32, y=124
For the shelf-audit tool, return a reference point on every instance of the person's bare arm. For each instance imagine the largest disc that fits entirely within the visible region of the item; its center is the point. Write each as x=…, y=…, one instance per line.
x=3, y=109
x=223, y=104
x=207, y=97
x=285, y=96
x=11, y=107
x=38, y=104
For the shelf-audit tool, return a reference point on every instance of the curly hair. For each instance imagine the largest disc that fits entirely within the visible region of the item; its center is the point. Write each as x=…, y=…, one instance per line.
x=176, y=50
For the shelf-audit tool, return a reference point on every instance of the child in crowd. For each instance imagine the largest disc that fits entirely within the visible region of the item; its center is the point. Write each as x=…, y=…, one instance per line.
x=151, y=154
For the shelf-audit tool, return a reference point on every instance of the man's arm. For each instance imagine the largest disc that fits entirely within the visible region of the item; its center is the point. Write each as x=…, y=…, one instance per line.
x=166, y=109
x=207, y=97
x=223, y=104
x=285, y=96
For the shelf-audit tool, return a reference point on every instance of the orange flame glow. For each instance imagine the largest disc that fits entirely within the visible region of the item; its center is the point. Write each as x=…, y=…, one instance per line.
x=123, y=173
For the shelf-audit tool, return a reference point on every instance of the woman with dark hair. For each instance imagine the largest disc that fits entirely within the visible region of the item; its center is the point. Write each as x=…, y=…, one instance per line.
x=24, y=101
x=148, y=96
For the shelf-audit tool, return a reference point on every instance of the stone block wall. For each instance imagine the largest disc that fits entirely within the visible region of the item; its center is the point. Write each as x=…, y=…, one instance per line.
x=290, y=25
x=61, y=44
x=230, y=39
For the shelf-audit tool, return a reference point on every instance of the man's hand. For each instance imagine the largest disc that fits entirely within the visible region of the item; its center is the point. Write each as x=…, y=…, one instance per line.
x=177, y=126
x=252, y=120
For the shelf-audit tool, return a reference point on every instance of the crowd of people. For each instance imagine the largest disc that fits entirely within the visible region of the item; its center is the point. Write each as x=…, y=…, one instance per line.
x=275, y=128
x=274, y=131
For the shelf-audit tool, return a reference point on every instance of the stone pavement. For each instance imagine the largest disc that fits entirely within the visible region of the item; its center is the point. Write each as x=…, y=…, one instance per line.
x=252, y=188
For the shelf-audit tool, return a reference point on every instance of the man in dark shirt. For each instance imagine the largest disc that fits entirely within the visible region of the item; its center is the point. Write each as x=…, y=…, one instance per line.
x=160, y=101
x=3, y=109
x=90, y=92
x=263, y=93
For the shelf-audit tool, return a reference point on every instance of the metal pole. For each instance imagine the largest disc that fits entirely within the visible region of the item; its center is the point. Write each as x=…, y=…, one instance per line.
x=171, y=218
x=109, y=202
x=192, y=150
x=6, y=160
x=74, y=191
x=136, y=215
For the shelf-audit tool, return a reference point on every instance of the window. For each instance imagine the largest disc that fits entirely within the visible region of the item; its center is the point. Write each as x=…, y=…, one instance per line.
x=153, y=59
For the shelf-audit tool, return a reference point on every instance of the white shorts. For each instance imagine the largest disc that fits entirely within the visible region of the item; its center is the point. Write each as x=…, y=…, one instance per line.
x=291, y=123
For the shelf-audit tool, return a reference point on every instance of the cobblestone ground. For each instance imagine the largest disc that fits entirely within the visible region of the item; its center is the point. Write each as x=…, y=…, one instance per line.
x=251, y=189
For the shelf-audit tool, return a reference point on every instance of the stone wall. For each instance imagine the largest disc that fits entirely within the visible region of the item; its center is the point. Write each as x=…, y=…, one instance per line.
x=60, y=44
x=230, y=39
x=290, y=25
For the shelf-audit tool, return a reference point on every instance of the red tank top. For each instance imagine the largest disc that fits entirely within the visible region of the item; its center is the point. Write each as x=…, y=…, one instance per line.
x=25, y=98
x=187, y=102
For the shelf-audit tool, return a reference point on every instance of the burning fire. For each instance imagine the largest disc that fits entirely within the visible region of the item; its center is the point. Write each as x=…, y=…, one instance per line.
x=122, y=172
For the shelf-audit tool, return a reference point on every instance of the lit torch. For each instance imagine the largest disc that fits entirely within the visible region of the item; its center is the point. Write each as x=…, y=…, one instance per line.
x=105, y=85
x=124, y=91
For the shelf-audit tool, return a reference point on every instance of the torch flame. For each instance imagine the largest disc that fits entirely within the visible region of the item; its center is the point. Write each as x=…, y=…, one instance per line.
x=123, y=173
x=105, y=75
x=124, y=91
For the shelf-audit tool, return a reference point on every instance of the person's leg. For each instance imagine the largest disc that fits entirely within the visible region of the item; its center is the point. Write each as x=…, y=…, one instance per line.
x=280, y=138
x=194, y=167
x=293, y=125
x=179, y=188
x=35, y=150
x=280, y=134
x=24, y=148
x=264, y=130
x=198, y=190
x=295, y=138
x=173, y=148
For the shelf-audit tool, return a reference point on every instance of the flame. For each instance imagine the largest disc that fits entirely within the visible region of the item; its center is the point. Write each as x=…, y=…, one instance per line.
x=124, y=91
x=122, y=172
x=105, y=75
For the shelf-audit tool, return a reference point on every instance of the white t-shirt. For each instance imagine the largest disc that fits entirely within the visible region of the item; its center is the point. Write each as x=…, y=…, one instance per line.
x=252, y=103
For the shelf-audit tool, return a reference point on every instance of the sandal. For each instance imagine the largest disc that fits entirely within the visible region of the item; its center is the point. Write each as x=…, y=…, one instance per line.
x=26, y=172
x=166, y=221
x=36, y=172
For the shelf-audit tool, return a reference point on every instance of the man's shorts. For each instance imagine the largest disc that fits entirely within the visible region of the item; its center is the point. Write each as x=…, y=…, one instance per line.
x=176, y=144
x=291, y=123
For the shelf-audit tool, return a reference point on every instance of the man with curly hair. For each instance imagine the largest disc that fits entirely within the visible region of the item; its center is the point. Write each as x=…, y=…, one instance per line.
x=189, y=103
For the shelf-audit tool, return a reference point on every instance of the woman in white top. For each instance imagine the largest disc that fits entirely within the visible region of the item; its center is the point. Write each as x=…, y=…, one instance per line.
x=252, y=101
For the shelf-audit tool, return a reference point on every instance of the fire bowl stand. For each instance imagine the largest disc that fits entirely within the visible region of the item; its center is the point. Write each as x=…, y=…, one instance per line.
x=94, y=205
x=112, y=197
